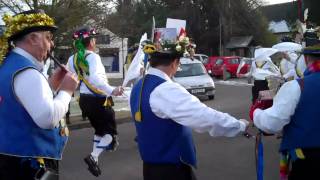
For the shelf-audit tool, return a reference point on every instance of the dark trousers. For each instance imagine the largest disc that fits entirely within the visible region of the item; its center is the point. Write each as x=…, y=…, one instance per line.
x=14, y=168
x=307, y=168
x=101, y=118
x=167, y=172
x=258, y=85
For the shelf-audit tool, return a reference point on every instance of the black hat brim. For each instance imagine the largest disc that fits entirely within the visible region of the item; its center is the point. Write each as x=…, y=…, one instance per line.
x=32, y=29
x=166, y=55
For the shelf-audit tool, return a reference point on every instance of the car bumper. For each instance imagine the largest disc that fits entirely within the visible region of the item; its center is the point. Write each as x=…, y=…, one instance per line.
x=204, y=91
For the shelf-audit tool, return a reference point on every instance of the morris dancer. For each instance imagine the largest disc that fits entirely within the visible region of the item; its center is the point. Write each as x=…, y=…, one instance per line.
x=164, y=113
x=95, y=95
x=295, y=111
x=32, y=134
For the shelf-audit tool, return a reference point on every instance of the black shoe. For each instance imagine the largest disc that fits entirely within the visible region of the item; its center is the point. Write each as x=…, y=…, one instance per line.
x=93, y=166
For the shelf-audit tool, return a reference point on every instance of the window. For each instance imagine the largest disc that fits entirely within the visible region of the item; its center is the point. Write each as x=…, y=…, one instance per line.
x=103, y=39
x=195, y=69
x=234, y=61
x=219, y=62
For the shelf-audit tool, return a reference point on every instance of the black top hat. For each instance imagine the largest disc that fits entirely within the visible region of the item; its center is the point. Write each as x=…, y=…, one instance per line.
x=27, y=22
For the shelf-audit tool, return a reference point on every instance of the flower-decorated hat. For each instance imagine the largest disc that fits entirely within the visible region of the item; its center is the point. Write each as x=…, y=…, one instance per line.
x=84, y=32
x=80, y=36
x=22, y=24
x=163, y=48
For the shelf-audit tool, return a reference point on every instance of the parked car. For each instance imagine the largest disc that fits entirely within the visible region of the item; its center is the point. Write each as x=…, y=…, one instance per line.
x=194, y=77
x=201, y=57
x=230, y=63
x=210, y=62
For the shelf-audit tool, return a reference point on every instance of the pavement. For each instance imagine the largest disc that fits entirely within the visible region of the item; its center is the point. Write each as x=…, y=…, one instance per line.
x=121, y=107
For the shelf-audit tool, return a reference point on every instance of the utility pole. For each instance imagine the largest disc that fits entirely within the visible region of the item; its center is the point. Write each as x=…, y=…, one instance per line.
x=220, y=33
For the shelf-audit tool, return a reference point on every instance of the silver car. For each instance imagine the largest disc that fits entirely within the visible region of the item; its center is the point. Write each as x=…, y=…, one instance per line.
x=193, y=76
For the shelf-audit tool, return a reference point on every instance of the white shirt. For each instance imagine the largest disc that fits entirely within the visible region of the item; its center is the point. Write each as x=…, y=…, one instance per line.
x=171, y=100
x=272, y=120
x=33, y=91
x=97, y=76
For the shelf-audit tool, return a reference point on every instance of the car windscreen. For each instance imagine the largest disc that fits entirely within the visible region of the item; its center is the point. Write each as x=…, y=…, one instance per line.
x=195, y=69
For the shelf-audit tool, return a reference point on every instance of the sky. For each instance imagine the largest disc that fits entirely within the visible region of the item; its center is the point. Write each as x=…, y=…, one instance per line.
x=277, y=1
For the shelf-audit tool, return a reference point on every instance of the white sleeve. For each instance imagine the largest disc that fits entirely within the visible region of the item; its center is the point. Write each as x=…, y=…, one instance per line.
x=97, y=75
x=170, y=100
x=272, y=120
x=34, y=93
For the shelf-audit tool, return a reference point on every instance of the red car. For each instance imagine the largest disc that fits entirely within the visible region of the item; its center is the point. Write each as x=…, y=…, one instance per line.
x=231, y=64
x=210, y=62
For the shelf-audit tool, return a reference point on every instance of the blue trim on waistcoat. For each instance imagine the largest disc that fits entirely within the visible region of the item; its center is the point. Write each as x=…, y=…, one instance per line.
x=160, y=140
x=303, y=131
x=19, y=135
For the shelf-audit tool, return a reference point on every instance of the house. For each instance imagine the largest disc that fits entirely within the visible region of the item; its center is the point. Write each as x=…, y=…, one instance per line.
x=111, y=48
x=281, y=29
x=240, y=46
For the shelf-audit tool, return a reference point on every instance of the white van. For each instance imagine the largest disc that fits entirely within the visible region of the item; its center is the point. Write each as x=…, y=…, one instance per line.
x=194, y=77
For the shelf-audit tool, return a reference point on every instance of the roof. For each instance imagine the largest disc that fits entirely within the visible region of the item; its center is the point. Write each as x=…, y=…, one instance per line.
x=279, y=27
x=278, y=12
x=239, y=42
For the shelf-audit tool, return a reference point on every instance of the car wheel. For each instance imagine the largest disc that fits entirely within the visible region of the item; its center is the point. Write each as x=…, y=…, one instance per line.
x=211, y=97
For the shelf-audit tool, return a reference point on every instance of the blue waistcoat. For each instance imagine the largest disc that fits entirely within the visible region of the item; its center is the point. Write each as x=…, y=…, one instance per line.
x=19, y=135
x=303, y=131
x=160, y=140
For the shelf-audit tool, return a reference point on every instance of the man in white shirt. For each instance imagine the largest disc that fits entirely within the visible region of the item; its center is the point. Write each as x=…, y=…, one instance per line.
x=261, y=68
x=164, y=113
x=32, y=134
x=295, y=112
x=95, y=95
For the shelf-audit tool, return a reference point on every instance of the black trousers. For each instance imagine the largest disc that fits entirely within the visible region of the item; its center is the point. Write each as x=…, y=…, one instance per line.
x=101, y=118
x=167, y=172
x=258, y=85
x=307, y=168
x=14, y=168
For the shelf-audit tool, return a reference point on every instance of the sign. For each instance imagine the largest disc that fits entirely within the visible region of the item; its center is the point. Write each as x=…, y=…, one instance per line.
x=176, y=23
x=165, y=35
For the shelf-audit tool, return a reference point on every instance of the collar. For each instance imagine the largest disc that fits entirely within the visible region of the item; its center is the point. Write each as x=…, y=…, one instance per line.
x=159, y=73
x=89, y=51
x=28, y=56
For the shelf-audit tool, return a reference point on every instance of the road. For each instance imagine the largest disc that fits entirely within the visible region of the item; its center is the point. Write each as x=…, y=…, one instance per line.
x=218, y=158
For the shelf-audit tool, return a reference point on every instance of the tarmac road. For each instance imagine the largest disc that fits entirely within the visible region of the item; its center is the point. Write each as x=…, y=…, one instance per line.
x=218, y=158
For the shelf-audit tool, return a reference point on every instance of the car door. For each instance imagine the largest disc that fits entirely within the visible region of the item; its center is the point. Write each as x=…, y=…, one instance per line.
x=217, y=67
x=233, y=64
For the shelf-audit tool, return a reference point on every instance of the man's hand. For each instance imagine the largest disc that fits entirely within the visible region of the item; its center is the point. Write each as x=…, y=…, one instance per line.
x=247, y=123
x=57, y=77
x=69, y=83
x=118, y=91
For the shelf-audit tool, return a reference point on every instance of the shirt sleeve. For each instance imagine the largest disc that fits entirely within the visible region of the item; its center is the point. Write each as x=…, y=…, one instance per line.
x=97, y=75
x=170, y=100
x=273, y=119
x=34, y=93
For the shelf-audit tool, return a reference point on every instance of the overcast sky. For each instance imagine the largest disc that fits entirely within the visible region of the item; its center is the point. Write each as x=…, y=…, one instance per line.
x=277, y=1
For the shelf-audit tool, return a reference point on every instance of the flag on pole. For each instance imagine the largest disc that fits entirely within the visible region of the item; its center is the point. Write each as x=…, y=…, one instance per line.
x=136, y=64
